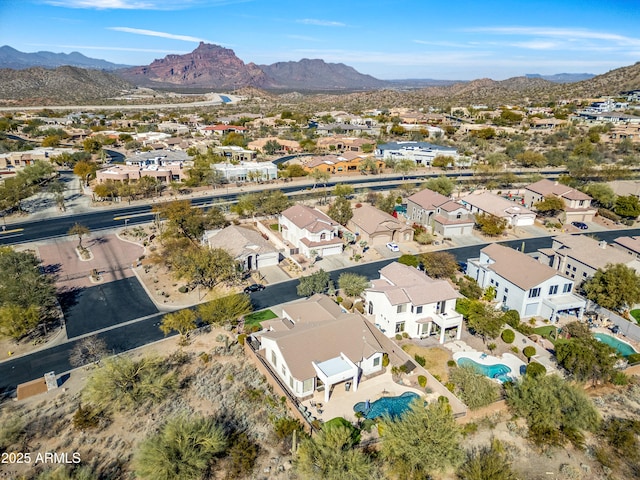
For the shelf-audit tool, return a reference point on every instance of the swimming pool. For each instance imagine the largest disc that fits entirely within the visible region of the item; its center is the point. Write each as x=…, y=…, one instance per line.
x=390, y=406
x=623, y=348
x=499, y=371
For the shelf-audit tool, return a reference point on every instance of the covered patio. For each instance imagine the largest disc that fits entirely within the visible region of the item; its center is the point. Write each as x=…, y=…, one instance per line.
x=337, y=370
x=444, y=322
x=565, y=305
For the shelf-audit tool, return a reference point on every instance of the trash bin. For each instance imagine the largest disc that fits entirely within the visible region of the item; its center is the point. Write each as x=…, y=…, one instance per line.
x=347, y=386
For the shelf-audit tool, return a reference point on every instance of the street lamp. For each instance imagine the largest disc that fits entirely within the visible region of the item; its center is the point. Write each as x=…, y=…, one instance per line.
x=126, y=220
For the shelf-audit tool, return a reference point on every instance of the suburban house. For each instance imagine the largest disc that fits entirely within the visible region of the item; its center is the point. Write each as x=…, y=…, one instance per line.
x=577, y=204
x=163, y=165
x=315, y=346
x=422, y=153
x=220, y=130
x=524, y=284
x=405, y=300
x=629, y=245
x=308, y=230
x=440, y=213
x=516, y=215
x=290, y=146
x=346, y=163
x=245, y=245
x=247, y=171
x=377, y=227
x=579, y=256
x=234, y=153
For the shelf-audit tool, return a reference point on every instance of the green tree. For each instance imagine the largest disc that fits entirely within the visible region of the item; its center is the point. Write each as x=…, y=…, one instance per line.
x=472, y=387
x=203, y=266
x=225, y=310
x=555, y=410
x=491, y=225
x=80, y=231
x=184, y=449
x=483, y=320
x=182, y=220
x=85, y=170
x=602, y=194
x=342, y=190
x=319, y=176
x=331, y=455
x=531, y=159
x=272, y=147
x=386, y=203
x=550, y=205
x=443, y=162
x=126, y=384
x=424, y=440
x=183, y=321
x=489, y=462
x=404, y=166
x=369, y=165
x=442, y=185
x=315, y=283
x=352, y=284
x=17, y=321
x=407, y=259
x=439, y=264
x=92, y=145
x=340, y=211
x=627, y=206
x=616, y=287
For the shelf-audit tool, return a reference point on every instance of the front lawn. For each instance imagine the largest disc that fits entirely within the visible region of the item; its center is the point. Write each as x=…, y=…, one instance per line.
x=255, y=318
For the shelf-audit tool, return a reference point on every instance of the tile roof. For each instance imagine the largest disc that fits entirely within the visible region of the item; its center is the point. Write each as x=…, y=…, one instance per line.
x=496, y=205
x=517, y=267
x=589, y=251
x=632, y=243
x=369, y=220
x=308, y=218
x=239, y=241
x=547, y=187
x=428, y=199
x=403, y=284
x=316, y=308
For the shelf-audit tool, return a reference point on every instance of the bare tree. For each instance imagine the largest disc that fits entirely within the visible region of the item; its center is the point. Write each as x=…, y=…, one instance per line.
x=88, y=350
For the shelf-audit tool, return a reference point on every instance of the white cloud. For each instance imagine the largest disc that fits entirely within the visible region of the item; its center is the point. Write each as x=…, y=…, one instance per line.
x=320, y=23
x=139, y=4
x=537, y=45
x=153, y=33
x=565, y=33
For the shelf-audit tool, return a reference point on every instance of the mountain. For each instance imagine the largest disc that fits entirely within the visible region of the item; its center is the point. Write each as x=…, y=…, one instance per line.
x=611, y=83
x=562, y=77
x=12, y=58
x=60, y=86
x=209, y=66
x=316, y=74
x=212, y=66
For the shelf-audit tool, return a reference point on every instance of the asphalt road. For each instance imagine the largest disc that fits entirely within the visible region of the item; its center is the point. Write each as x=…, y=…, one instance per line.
x=135, y=334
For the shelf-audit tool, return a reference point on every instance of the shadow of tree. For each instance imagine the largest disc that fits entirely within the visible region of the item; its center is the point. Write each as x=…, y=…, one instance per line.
x=52, y=269
x=68, y=297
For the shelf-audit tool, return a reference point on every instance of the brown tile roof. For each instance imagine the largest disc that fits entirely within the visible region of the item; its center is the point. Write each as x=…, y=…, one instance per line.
x=589, y=251
x=517, y=267
x=632, y=243
x=350, y=334
x=316, y=308
x=404, y=284
x=239, y=241
x=428, y=199
x=369, y=220
x=496, y=205
x=547, y=187
x=309, y=218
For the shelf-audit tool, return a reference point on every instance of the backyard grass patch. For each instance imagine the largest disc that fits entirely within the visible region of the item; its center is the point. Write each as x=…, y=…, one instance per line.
x=636, y=315
x=547, y=332
x=256, y=317
x=435, y=359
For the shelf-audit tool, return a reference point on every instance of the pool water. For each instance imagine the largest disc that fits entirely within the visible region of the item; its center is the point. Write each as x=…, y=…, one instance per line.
x=623, y=348
x=499, y=371
x=390, y=406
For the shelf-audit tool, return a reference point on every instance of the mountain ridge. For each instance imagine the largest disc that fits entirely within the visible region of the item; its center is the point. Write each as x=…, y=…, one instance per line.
x=17, y=60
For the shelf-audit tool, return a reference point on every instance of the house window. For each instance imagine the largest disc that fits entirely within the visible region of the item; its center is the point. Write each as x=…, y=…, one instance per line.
x=553, y=289
x=440, y=306
x=399, y=327
x=307, y=385
x=401, y=308
x=376, y=361
x=284, y=371
x=459, y=215
x=291, y=382
x=534, y=292
x=584, y=274
x=323, y=236
x=419, y=309
x=274, y=359
x=566, y=288
x=504, y=299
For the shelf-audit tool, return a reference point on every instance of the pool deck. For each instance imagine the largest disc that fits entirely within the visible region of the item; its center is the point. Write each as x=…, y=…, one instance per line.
x=341, y=402
x=511, y=361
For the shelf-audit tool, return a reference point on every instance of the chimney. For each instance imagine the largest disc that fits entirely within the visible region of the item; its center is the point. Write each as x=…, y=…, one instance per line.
x=602, y=244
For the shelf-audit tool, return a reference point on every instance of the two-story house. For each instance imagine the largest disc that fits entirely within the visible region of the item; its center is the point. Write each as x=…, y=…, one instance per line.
x=524, y=284
x=315, y=346
x=577, y=204
x=580, y=256
x=441, y=214
x=308, y=230
x=404, y=299
x=629, y=245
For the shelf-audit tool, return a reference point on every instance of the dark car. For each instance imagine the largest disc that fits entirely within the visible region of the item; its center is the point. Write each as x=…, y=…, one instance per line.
x=580, y=225
x=256, y=287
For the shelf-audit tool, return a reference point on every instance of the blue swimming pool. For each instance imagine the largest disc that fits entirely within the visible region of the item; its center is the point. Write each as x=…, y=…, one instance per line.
x=623, y=348
x=499, y=371
x=390, y=406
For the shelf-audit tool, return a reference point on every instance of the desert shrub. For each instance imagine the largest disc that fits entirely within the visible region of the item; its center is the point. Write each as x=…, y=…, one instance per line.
x=633, y=358
x=339, y=299
x=422, y=380
x=536, y=369
x=347, y=303
x=619, y=378
x=473, y=388
x=405, y=335
x=508, y=336
x=359, y=307
x=420, y=360
x=12, y=429
x=183, y=289
x=451, y=363
x=85, y=418
x=241, y=338
x=204, y=357
x=606, y=213
x=398, y=336
x=385, y=360
x=242, y=455
x=469, y=428
x=529, y=352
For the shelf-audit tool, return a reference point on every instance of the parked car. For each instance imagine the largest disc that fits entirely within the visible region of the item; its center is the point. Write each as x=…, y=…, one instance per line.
x=580, y=225
x=393, y=247
x=256, y=287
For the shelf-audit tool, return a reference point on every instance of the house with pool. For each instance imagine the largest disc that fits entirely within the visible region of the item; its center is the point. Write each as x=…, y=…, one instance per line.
x=404, y=299
x=524, y=284
x=316, y=345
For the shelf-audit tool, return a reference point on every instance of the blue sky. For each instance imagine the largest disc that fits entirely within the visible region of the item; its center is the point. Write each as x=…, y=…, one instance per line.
x=389, y=39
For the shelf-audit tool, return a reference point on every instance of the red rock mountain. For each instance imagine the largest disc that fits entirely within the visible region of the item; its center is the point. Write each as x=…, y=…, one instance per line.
x=207, y=66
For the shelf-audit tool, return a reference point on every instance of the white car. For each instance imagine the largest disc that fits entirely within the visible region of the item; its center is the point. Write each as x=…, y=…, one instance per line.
x=393, y=247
